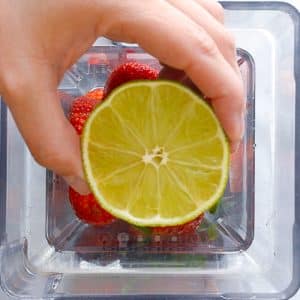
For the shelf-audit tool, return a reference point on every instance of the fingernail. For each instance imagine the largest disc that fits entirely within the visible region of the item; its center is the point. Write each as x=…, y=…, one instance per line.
x=240, y=128
x=242, y=125
x=78, y=184
x=234, y=147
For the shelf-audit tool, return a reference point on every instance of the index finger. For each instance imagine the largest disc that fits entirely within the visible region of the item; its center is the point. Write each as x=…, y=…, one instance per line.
x=37, y=111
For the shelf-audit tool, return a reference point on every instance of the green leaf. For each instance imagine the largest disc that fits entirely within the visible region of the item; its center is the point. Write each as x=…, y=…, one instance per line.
x=144, y=230
x=212, y=232
x=214, y=208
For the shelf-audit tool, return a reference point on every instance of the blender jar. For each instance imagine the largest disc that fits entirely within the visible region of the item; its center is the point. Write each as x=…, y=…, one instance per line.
x=246, y=248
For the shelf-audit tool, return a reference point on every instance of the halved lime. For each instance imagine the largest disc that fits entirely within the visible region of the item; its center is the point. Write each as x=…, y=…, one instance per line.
x=155, y=154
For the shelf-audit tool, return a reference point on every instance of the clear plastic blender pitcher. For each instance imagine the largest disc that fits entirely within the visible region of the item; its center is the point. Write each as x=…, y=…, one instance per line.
x=248, y=248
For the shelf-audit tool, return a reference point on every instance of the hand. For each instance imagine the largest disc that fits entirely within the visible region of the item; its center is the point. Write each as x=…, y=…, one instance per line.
x=40, y=40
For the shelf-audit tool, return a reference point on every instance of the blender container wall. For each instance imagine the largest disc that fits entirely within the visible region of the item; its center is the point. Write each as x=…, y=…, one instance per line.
x=245, y=249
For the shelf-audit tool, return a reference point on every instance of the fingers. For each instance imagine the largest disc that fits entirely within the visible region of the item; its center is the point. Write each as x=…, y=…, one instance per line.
x=52, y=141
x=187, y=46
x=211, y=23
x=214, y=8
x=223, y=39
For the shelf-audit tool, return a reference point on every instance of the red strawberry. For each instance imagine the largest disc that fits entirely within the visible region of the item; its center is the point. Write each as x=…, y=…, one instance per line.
x=172, y=238
x=96, y=94
x=185, y=234
x=88, y=209
x=129, y=71
x=83, y=105
x=80, y=111
x=179, y=230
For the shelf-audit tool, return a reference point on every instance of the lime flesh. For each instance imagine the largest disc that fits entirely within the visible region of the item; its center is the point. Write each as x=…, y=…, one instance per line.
x=155, y=154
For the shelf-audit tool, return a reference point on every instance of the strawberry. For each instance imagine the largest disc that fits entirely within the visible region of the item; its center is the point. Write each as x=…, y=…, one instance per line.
x=129, y=71
x=96, y=94
x=174, y=238
x=88, y=209
x=185, y=234
x=180, y=230
x=80, y=110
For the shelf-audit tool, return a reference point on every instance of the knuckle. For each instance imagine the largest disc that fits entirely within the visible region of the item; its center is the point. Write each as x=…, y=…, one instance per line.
x=206, y=45
x=11, y=83
x=14, y=84
x=48, y=157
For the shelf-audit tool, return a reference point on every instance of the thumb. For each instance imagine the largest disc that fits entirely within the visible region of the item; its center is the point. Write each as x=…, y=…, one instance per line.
x=36, y=108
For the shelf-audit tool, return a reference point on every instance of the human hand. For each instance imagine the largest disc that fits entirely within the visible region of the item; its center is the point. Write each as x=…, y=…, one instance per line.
x=40, y=40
